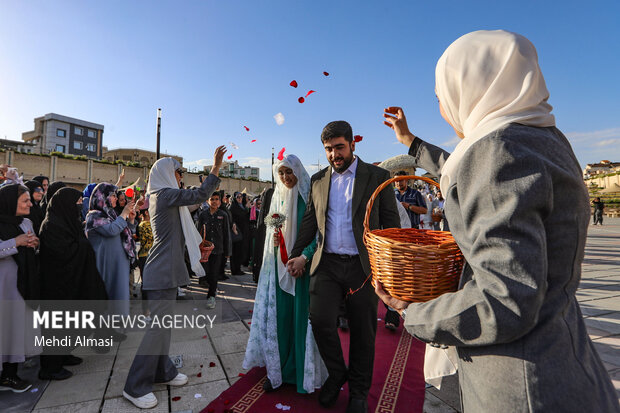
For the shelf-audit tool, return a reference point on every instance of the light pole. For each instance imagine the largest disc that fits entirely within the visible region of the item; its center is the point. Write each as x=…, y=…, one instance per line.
x=158, y=131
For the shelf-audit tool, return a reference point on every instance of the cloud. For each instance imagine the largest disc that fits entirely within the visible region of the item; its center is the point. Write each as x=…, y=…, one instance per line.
x=452, y=142
x=608, y=142
x=575, y=137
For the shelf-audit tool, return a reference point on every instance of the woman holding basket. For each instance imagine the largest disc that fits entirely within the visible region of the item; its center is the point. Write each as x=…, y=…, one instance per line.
x=518, y=209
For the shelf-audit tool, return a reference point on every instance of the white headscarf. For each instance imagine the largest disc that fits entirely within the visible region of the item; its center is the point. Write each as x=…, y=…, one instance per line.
x=486, y=80
x=162, y=176
x=284, y=201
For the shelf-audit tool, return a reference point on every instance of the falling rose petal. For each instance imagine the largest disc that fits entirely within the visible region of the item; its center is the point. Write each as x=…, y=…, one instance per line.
x=176, y=398
x=253, y=140
x=301, y=100
x=281, y=154
x=212, y=364
x=358, y=138
x=310, y=92
x=279, y=117
x=233, y=145
x=325, y=73
x=247, y=129
x=293, y=83
x=229, y=156
x=199, y=374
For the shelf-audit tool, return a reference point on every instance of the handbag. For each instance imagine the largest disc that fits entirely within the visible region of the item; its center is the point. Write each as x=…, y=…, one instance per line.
x=206, y=247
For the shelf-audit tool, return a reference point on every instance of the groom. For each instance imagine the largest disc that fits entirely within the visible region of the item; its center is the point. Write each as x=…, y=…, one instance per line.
x=335, y=210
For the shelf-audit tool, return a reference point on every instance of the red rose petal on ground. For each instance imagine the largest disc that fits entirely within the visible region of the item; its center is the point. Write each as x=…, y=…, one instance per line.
x=204, y=336
x=199, y=375
x=249, y=322
x=358, y=138
x=212, y=364
x=226, y=401
x=241, y=374
x=281, y=154
x=176, y=398
x=293, y=83
x=201, y=366
x=301, y=100
x=246, y=128
x=253, y=140
x=310, y=92
x=326, y=74
x=229, y=156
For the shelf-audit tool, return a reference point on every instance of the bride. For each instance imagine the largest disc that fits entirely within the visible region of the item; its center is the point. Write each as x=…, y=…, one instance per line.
x=281, y=336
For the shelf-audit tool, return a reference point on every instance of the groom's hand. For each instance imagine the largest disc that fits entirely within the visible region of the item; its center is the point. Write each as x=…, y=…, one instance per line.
x=296, y=266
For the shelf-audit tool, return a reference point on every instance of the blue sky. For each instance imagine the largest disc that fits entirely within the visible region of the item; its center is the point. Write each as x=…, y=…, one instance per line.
x=215, y=66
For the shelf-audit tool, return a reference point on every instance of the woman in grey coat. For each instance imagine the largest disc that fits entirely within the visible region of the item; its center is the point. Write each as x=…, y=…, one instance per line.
x=165, y=270
x=518, y=209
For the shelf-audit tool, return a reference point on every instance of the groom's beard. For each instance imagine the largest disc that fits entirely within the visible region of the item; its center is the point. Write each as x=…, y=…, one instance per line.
x=344, y=166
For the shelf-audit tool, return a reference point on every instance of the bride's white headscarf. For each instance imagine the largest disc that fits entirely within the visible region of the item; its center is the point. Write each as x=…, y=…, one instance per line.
x=162, y=176
x=486, y=80
x=284, y=201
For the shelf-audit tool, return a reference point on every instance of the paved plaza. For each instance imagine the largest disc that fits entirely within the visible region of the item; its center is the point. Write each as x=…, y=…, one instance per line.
x=212, y=357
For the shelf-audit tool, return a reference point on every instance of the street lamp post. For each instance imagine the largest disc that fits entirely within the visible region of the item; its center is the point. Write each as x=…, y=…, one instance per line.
x=158, y=131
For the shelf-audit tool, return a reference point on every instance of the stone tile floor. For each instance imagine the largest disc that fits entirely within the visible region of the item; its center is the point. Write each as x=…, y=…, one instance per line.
x=97, y=384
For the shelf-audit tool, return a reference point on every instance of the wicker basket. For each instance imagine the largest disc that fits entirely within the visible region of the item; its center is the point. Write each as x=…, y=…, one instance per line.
x=413, y=265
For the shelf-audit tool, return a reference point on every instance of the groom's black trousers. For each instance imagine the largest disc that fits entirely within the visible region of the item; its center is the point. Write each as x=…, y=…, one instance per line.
x=328, y=288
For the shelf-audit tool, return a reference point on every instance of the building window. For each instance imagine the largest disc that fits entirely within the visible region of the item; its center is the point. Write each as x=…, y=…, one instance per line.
x=91, y=147
x=78, y=131
x=254, y=171
x=77, y=145
x=61, y=133
x=60, y=148
x=91, y=133
x=242, y=172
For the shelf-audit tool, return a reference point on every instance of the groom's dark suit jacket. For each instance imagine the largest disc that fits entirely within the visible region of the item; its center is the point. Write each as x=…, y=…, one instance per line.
x=384, y=212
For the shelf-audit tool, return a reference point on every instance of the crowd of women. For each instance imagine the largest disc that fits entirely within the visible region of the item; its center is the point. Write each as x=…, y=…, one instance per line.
x=58, y=243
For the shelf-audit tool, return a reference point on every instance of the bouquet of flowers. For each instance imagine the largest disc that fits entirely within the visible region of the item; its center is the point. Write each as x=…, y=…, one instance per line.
x=276, y=221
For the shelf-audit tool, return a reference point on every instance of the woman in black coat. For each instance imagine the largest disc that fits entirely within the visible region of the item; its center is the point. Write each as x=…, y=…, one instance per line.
x=68, y=267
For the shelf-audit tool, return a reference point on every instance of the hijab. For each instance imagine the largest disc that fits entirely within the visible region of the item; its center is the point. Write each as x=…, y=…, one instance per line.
x=284, y=202
x=102, y=213
x=40, y=179
x=51, y=190
x=28, y=279
x=486, y=80
x=36, y=213
x=68, y=261
x=162, y=177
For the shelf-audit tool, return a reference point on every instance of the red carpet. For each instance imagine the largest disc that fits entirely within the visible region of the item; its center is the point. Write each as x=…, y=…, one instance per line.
x=397, y=385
